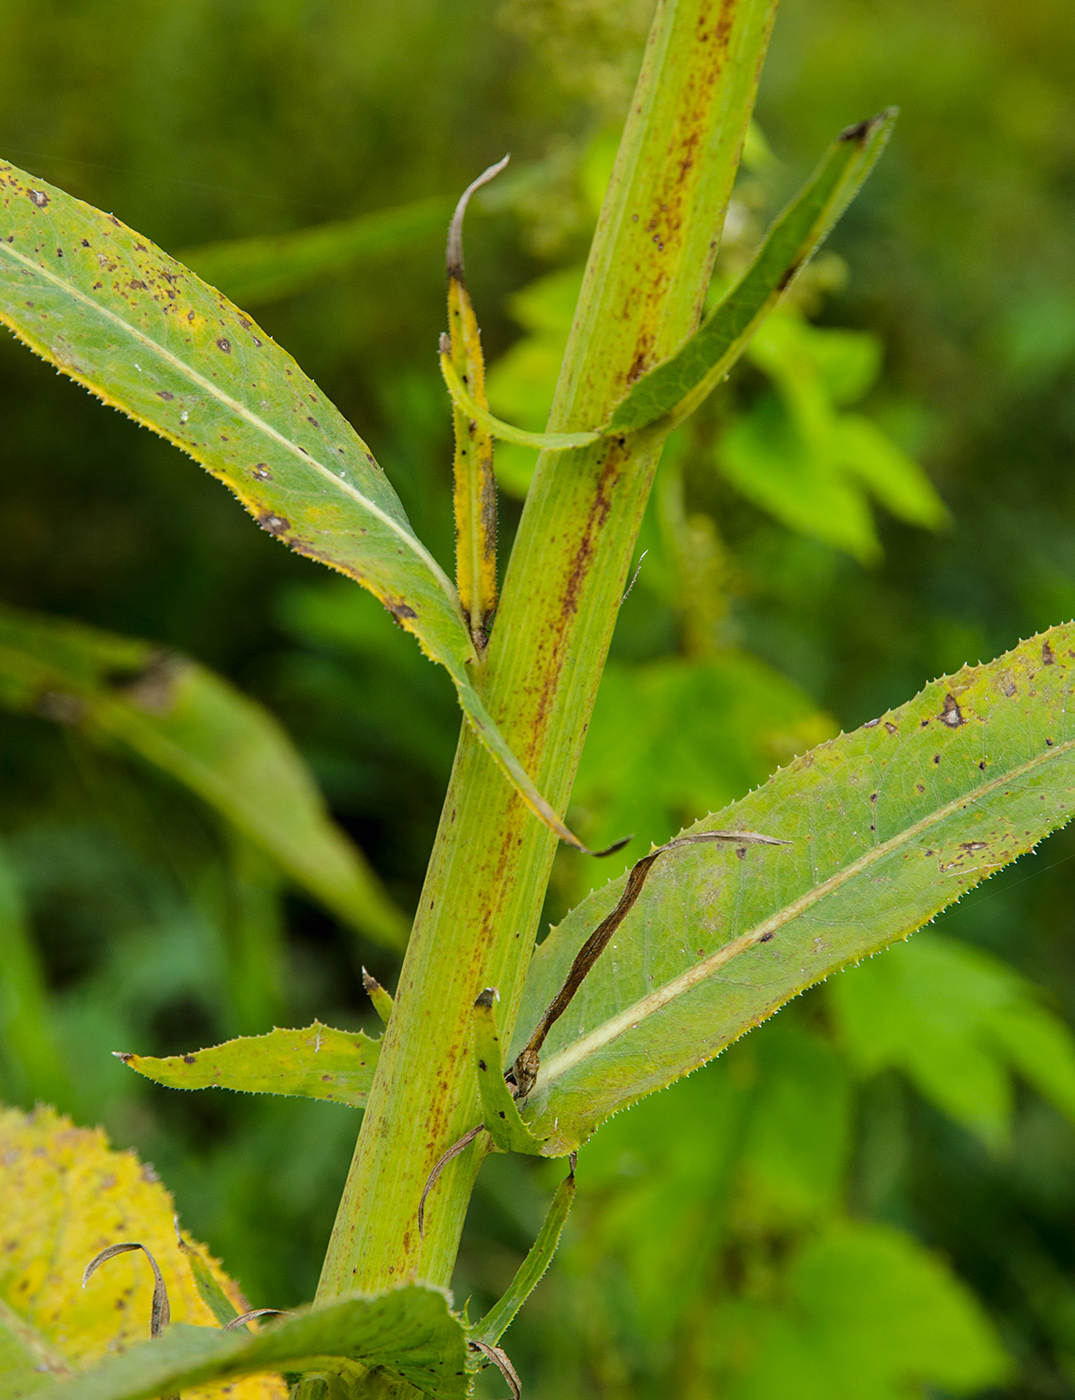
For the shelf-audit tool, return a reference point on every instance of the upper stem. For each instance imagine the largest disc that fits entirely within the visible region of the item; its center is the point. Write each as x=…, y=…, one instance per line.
x=645, y=282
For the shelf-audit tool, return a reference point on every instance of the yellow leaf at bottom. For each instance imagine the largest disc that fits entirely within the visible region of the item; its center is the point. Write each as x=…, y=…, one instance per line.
x=65, y=1194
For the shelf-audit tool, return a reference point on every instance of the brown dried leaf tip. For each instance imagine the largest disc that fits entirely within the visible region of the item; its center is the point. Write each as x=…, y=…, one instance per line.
x=161, y=1313
x=499, y=1357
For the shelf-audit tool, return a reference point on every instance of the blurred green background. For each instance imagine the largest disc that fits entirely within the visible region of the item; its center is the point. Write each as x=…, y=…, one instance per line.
x=872, y=1197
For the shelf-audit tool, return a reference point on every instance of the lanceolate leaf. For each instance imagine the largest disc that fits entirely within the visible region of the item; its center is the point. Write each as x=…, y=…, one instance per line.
x=252, y=271
x=411, y=1331
x=191, y=723
x=315, y=1063
x=531, y=1271
x=887, y=826
x=146, y=335
x=682, y=382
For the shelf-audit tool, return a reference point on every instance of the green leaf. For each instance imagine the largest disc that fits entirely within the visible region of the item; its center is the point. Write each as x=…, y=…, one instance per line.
x=895, y=479
x=252, y=271
x=1040, y=1047
x=209, y=1290
x=956, y=1020
x=679, y=384
x=411, y=1331
x=189, y=722
x=501, y=1113
x=137, y=328
x=887, y=826
x=870, y=1315
x=808, y=464
x=315, y=1063
x=796, y=480
x=531, y=1271
x=141, y=331
x=27, y=1366
x=796, y=1141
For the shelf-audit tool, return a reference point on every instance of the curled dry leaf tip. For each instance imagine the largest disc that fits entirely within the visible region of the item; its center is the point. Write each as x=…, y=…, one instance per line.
x=455, y=228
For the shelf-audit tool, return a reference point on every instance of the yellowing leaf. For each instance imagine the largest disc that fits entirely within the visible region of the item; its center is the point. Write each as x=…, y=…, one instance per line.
x=67, y=1195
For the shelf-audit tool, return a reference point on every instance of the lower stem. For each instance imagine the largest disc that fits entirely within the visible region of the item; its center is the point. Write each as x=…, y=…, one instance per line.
x=486, y=882
x=642, y=294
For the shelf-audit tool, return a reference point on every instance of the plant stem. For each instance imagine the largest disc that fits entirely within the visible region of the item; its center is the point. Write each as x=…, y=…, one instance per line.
x=648, y=272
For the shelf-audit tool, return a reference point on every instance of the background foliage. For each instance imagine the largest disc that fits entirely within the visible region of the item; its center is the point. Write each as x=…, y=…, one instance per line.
x=772, y=1216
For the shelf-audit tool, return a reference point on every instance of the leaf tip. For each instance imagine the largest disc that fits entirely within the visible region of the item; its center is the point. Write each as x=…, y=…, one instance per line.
x=611, y=850
x=455, y=228
x=862, y=131
x=487, y=997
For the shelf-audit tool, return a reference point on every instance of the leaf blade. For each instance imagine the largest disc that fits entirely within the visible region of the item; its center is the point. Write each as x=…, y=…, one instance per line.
x=532, y=1270
x=191, y=723
x=252, y=271
x=409, y=1330
x=276, y=427
x=680, y=383
x=317, y=1062
x=277, y=442
x=887, y=826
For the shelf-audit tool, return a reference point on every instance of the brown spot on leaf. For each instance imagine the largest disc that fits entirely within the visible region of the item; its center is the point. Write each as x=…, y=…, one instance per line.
x=1048, y=656
x=189, y=1059
x=225, y=345
x=275, y=524
x=261, y=472
x=38, y=197
x=164, y=394
x=952, y=715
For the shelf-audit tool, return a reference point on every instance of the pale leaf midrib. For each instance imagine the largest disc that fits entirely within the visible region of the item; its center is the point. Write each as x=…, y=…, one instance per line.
x=565, y=1060
x=253, y=419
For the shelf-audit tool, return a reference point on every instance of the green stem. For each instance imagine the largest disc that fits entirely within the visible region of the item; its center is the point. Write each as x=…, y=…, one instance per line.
x=645, y=282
